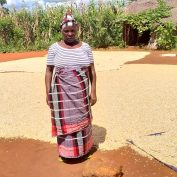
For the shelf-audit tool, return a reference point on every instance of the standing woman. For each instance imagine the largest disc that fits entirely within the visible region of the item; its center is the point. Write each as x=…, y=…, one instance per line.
x=70, y=69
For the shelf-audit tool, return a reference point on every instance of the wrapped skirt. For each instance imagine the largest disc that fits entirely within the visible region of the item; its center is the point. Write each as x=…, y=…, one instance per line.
x=70, y=111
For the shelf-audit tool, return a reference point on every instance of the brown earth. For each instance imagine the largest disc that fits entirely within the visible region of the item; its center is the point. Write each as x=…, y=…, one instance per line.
x=22, y=55
x=31, y=158
x=156, y=58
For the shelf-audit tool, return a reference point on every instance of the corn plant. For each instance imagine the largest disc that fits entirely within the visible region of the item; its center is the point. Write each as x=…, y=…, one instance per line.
x=101, y=25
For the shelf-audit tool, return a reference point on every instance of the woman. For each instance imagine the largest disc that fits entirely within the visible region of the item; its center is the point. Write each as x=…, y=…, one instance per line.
x=70, y=68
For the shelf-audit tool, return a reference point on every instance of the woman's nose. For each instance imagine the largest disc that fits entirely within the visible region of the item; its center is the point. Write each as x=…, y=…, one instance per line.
x=70, y=33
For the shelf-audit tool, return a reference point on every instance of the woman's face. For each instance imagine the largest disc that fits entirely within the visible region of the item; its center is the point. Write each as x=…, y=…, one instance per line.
x=69, y=33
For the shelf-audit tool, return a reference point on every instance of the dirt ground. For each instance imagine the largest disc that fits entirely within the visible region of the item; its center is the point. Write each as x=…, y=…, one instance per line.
x=17, y=56
x=156, y=58
x=31, y=158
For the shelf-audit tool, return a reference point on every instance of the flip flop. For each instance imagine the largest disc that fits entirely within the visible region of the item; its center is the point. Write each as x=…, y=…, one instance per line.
x=60, y=159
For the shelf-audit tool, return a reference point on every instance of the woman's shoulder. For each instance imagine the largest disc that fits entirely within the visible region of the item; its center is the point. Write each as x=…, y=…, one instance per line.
x=53, y=46
x=86, y=45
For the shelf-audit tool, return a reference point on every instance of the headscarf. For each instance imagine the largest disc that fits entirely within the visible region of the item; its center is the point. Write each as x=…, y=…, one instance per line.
x=68, y=20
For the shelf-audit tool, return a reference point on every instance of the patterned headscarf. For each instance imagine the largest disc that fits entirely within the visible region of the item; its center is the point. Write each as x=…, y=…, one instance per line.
x=68, y=20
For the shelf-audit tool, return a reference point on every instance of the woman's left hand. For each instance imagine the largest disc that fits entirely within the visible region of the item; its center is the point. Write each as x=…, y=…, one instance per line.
x=93, y=99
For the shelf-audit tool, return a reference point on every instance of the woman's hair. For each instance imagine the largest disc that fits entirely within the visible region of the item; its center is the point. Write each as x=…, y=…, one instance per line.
x=68, y=20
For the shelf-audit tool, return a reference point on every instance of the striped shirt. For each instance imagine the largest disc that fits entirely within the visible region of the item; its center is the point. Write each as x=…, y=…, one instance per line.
x=62, y=57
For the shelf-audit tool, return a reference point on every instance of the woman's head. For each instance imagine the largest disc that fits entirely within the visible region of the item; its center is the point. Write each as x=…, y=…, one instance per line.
x=69, y=28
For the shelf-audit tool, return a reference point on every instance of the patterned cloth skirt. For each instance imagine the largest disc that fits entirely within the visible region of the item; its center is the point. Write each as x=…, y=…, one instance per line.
x=70, y=111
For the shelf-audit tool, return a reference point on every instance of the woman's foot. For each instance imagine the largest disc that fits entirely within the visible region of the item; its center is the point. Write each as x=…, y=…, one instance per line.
x=62, y=159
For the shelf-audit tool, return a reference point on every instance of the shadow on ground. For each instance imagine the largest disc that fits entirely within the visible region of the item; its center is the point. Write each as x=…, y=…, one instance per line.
x=99, y=134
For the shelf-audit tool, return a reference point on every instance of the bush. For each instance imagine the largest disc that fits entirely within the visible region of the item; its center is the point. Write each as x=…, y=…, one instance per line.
x=100, y=25
x=6, y=29
x=166, y=38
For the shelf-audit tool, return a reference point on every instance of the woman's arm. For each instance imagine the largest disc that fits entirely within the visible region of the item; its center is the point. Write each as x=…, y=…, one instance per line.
x=92, y=75
x=48, y=80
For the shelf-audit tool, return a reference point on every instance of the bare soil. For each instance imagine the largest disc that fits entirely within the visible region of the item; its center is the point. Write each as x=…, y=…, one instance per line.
x=31, y=158
x=156, y=58
x=22, y=55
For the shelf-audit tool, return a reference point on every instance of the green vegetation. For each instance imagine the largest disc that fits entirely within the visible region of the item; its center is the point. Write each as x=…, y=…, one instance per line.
x=100, y=26
x=2, y=2
x=153, y=20
x=166, y=38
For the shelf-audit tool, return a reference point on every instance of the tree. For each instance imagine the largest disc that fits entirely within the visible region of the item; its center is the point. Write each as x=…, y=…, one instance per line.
x=2, y=2
x=2, y=9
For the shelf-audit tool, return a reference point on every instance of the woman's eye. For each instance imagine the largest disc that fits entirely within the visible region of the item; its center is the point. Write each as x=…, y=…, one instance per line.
x=67, y=31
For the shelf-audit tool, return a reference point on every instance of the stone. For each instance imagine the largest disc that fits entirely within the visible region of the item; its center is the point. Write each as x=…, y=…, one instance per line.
x=102, y=167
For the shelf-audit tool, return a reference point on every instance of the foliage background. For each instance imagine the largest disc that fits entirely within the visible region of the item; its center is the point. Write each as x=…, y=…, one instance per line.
x=100, y=25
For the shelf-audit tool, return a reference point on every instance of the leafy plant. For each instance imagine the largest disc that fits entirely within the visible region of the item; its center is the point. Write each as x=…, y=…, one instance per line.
x=150, y=19
x=101, y=25
x=6, y=29
x=166, y=38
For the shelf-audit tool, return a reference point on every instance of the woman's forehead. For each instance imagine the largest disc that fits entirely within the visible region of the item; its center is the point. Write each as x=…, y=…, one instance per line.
x=70, y=27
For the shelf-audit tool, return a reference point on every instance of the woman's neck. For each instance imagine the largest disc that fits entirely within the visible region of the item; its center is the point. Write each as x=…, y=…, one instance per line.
x=73, y=43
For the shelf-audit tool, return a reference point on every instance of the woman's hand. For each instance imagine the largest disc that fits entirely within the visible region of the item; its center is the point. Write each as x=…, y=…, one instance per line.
x=93, y=99
x=92, y=75
x=47, y=100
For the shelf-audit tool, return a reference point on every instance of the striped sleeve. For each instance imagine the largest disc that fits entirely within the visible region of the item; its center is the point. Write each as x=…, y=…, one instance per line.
x=90, y=53
x=51, y=56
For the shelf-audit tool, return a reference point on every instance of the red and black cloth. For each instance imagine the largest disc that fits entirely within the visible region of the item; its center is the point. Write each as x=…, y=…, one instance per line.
x=70, y=111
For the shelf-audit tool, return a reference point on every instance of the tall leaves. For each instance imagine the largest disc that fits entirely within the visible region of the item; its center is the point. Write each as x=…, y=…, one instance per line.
x=100, y=26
